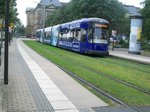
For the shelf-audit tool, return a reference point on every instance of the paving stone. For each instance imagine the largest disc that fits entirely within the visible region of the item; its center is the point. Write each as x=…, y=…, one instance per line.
x=62, y=105
x=23, y=93
x=1, y=95
x=86, y=110
x=70, y=110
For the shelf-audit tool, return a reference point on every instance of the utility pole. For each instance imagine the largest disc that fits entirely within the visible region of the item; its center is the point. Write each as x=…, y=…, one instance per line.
x=44, y=6
x=6, y=41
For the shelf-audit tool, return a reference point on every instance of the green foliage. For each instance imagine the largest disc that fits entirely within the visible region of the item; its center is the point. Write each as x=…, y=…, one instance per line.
x=59, y=16
x=13, y=11
x=2, y=8
x=146, y=19
x=146, y=45
x=111, y=10
x=21, y=30
x=124, y=43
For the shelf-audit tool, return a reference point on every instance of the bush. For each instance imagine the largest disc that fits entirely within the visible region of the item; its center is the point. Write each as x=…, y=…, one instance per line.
x=146, y=45
x=124, y=43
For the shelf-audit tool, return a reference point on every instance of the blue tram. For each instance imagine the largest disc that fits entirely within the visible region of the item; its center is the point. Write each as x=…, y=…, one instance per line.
x=88, y=35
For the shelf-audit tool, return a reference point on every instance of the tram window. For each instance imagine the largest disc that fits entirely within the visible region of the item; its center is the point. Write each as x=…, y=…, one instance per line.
x=44, y=35
x=48, y=34
x=77, y=35
x=60, y=35
x=68, y=34
x=98, y=33
x=64, y=34
x=72, y=34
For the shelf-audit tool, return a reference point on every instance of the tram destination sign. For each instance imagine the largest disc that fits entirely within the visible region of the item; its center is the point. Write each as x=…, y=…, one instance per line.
x=101, y=25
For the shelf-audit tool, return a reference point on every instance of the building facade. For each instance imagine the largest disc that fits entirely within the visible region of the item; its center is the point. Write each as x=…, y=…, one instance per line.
x=35, y=16
x=132, y=10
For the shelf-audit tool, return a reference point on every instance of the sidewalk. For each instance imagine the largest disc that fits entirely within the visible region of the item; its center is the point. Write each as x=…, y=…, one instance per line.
x=1, y=79
x=123, y=53
x=37, y=85
x=22, y=94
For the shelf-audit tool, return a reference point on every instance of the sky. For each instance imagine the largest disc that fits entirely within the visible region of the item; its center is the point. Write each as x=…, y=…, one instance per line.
x=23, y=4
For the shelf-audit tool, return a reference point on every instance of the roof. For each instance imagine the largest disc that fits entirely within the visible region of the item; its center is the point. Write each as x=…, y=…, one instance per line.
x=78, y=23
x=98, y=20
x=132, y=10
x=50, y=2
x=29, y=9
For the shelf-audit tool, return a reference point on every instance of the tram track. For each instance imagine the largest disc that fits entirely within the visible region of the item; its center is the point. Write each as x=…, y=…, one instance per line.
x=129, y=66
x=118, y=80
x=105, y=75
x=100, y=91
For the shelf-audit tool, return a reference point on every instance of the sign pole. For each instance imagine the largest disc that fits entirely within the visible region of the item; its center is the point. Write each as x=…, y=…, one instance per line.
x=6, y=42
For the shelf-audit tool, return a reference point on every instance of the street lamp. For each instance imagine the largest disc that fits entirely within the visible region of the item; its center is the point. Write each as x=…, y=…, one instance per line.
x=43, y=23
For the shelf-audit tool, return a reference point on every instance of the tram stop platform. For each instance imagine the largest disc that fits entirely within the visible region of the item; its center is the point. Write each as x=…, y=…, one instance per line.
x=37, y=85
x=123, y=53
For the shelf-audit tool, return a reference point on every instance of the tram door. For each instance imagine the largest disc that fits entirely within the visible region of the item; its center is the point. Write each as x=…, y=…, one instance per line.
x=83, y=41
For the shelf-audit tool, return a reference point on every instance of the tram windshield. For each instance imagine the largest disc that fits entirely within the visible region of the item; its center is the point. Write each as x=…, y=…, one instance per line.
x=97, y=33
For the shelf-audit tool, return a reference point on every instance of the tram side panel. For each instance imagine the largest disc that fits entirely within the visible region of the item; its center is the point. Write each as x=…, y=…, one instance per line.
x=54, y=35
x=84, y=36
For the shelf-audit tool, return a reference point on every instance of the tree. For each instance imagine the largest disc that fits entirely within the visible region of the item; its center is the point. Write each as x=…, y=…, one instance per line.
x=13, y=20
x=19, y=28
x=146, y=19
x=61, y=15
x=13, y=11
x=111, y=10
x=2, y=11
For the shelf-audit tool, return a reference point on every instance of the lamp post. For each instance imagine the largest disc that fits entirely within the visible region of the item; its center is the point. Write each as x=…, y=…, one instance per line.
x=43, y=36
x=43, y=21
x=6, y=42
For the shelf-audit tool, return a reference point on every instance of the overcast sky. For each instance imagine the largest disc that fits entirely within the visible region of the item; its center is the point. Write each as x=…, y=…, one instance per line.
x=23, y=4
